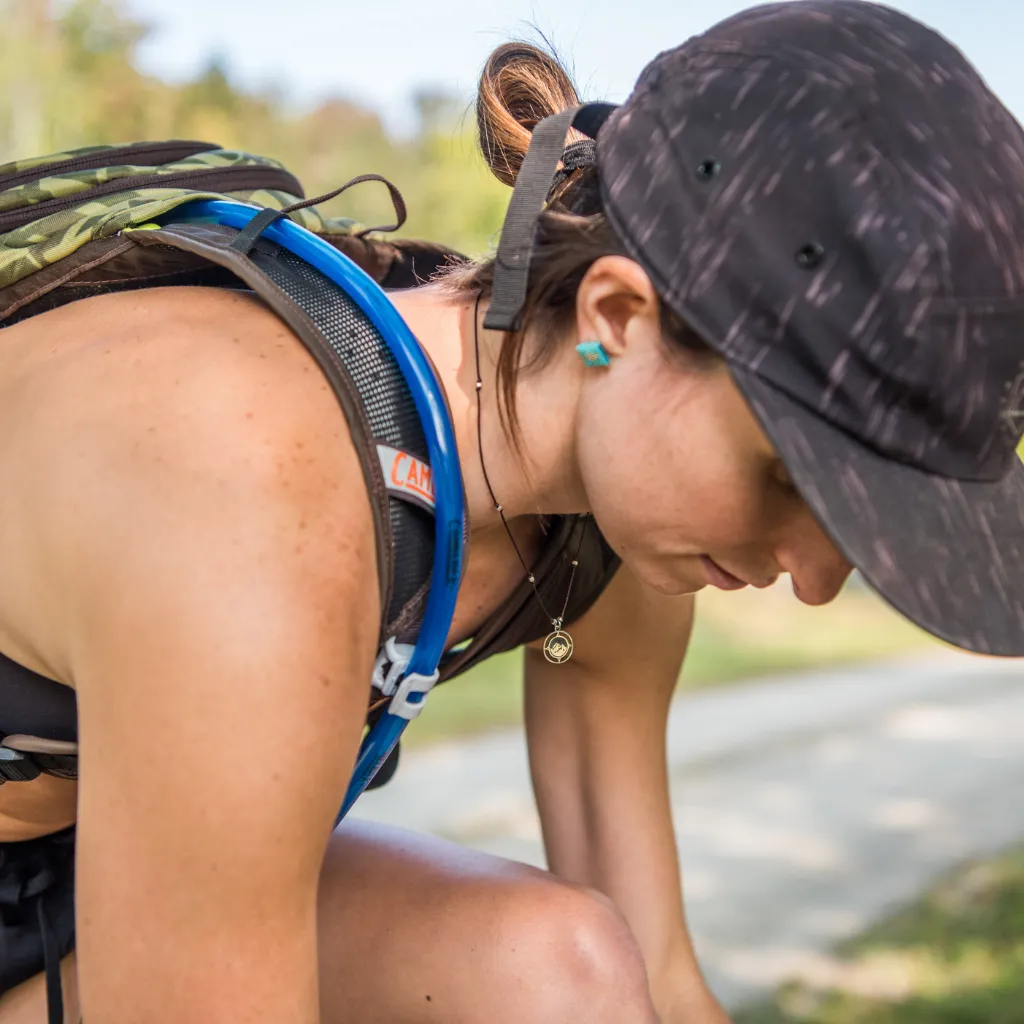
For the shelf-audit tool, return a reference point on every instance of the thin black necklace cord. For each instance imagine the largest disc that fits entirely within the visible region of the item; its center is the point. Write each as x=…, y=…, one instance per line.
x=555, y=622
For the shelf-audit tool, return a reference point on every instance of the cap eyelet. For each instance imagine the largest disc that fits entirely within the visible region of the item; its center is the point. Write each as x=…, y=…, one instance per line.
x=707, y=169
x=810, y=255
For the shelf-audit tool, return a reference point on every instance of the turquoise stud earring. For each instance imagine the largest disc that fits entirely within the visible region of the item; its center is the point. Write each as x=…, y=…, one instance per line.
x=593, y=353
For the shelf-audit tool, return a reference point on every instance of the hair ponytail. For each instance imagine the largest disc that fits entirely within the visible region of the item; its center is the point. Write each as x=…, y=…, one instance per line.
x=520, y=85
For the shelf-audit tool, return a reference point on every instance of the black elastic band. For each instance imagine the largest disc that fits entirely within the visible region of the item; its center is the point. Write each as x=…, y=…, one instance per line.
x=51, y=964
x=576, y=157
x=579, y=154
x=512, y=262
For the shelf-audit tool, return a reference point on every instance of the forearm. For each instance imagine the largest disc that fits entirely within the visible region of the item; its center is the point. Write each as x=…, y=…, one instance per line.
x=619, y=840
x=602, y=786
x=641, y=878
x=681, y=1000
x=597, y=740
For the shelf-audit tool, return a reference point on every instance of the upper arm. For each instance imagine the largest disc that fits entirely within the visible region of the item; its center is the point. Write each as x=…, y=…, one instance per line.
x=222, y=622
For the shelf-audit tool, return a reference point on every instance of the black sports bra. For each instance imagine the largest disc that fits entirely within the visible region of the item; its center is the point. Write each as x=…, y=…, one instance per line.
x=35, y=704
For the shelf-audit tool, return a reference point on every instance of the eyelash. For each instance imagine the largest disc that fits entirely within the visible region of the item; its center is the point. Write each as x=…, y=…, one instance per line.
x=781, y=478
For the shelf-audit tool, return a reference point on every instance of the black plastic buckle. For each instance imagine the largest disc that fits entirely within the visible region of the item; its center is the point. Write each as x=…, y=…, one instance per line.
x=17, y=767
x=60, y=766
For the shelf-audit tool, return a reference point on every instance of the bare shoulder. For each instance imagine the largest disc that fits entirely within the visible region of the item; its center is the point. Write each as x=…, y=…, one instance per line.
x=174, y=424
x=196, y=510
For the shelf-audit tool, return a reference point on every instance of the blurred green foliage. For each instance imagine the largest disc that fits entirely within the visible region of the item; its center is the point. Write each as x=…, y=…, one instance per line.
x=954, y=957
x=69, y=77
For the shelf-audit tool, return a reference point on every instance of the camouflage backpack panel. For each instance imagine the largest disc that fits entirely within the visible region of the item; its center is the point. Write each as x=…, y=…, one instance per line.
x=87, y=202
x=69, y=223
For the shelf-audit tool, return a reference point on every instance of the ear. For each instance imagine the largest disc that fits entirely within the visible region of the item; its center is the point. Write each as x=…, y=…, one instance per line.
x=615, y=303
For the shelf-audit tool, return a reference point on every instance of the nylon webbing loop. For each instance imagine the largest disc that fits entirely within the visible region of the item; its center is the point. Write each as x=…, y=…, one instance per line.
x=512, y=263
x=246, y=238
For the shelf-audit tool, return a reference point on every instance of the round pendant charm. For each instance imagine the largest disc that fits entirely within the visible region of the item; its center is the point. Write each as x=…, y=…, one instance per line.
x=558, y=647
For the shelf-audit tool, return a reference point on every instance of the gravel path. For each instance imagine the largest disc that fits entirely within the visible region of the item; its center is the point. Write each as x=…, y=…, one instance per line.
x=804, y=808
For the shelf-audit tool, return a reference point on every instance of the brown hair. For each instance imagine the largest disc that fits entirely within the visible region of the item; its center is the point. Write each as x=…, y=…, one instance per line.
x=520, y=85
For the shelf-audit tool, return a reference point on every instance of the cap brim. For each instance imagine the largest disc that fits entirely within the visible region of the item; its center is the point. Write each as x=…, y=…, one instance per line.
x=947, y=554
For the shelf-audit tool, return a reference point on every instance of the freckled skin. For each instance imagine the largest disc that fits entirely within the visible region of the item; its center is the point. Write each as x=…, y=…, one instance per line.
x=199, y=499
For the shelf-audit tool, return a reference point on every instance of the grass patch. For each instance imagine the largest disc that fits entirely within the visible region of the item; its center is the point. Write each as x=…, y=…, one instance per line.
x=954, y=957
x=487, y=697
x=737, y=635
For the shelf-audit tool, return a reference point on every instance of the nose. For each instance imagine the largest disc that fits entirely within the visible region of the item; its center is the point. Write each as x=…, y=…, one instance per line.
x=817, y=568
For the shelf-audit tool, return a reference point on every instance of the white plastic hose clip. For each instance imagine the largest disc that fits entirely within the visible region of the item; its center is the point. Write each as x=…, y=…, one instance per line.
x=396, y=684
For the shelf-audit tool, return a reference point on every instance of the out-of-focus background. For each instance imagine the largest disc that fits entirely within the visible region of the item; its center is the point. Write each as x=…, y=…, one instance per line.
x=828, y=764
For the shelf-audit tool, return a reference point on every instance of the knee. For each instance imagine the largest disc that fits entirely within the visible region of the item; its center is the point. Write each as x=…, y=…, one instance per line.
x=569, y=955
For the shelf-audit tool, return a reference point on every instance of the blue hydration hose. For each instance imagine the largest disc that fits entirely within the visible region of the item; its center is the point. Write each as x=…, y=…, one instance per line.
x=444, y=459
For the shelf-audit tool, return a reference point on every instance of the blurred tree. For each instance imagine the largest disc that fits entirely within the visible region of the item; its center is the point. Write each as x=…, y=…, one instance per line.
x=69, y=77
x=454, y=196
x=27, y=61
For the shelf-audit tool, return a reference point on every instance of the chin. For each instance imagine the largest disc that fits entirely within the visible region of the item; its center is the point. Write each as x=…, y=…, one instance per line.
x=660, y=578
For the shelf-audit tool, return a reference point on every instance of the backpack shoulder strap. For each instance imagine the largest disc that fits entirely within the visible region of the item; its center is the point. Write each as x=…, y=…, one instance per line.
x=370, y=388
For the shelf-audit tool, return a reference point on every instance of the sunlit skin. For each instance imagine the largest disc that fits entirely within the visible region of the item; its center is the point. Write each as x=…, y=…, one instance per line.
x=663, y=451
x=190, y=429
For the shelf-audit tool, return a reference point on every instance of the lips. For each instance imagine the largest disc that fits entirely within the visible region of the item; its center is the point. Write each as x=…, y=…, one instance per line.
x=718, y=577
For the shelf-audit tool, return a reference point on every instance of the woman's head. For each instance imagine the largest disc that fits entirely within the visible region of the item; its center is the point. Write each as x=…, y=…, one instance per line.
x=826, y=197
x=692, y=474
x=675, y=466
x=673, y=463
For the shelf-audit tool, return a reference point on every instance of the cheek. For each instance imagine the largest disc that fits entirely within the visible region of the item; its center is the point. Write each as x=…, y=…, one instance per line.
x=665, y=475
x=624, y=450
x=720, y=500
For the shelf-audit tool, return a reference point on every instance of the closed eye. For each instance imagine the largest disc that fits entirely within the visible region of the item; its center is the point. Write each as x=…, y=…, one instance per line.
x=780, y=475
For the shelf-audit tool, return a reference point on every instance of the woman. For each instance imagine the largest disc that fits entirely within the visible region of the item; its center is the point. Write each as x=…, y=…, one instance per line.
x=793, y=275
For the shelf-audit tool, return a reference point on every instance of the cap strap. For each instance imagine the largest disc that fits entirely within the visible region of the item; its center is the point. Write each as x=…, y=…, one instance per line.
x=512, y=263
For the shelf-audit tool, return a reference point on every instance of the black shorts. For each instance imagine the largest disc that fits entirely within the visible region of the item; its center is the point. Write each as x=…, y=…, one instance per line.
x=37, y=890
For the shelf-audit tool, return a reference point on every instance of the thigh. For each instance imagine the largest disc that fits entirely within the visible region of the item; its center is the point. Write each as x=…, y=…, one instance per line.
x=413, y=928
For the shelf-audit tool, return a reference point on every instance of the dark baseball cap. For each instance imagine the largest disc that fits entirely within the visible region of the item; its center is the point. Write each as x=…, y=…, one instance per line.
x=830, y=195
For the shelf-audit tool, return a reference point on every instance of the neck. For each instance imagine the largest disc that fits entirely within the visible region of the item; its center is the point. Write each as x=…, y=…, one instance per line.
x=541, y=477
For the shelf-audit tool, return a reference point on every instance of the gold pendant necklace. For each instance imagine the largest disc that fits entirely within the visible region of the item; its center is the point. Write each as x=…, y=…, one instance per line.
x=558, y=645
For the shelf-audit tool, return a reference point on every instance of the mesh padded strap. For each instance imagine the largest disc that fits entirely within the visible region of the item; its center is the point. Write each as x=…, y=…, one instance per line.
x=512, y=263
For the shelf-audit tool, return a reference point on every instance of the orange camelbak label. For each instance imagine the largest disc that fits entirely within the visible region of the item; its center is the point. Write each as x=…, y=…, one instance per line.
x=407, y=476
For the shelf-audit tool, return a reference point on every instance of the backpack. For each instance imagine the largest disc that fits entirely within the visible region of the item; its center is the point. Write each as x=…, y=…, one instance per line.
x=66, y=221
x=106, y=218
